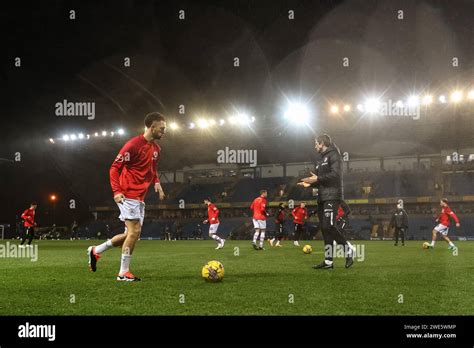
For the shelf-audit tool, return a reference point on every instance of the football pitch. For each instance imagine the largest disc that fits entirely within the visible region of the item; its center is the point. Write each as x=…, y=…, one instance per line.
x=277, y=281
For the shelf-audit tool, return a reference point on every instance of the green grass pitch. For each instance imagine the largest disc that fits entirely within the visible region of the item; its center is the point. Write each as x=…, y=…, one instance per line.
x=276, y=281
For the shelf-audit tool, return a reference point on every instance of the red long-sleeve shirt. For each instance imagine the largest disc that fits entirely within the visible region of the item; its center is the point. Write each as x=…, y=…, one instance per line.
x=258, y=206
x=134, y=168
x=28, y=217
x=280, y=217
x=212, y=214
x=443, y=218
x=299, y=215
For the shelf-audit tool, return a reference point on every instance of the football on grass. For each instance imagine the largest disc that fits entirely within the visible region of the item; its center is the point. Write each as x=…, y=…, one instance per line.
x=213, y=271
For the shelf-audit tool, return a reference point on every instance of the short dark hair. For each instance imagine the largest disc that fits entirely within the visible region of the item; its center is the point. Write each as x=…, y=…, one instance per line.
x=262, y=191
x=152, y=117
x=324, y=139
x=208, y=199
x=444, y=200
x=33, y=203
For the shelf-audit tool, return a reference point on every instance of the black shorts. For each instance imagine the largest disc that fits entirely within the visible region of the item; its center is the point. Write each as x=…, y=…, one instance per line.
x=299, y=227
x=29, y=231
x=327, y=212
x=280, y=228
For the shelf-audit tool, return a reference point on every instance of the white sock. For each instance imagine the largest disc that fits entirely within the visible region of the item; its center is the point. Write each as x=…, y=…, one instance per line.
x=328, y=262
x=272, y=240
x=216, y=238
x=103, y=247
x=432, y=243
x=262, y=238
x=278, y=242
x=255, y=236
x=125, y=263
x=451, y=244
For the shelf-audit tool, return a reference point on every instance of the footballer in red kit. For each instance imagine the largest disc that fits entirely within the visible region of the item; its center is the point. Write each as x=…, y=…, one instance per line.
x=279, y=226
x=443, y=221
x=300, y=214
x=213, y=220
x=260, y=214
x=29, y=224
x=131, y=174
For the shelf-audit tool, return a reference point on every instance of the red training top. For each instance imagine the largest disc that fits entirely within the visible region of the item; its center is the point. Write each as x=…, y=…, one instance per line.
x=443, y=218
x=29, y=217
x=280, y=217
x=299, y=214
x=258, y=207
x=134, y=168
x=212, y=214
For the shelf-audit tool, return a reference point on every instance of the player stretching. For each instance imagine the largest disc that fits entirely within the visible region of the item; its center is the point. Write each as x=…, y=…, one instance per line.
x=29, y=224
x=131, y=174
x=213, y=219
x=443, y=224
x=279, y=225
x=259, y=218
x=300, y=214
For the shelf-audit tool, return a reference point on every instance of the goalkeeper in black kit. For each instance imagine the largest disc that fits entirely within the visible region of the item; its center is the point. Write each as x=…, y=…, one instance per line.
x=400, y=223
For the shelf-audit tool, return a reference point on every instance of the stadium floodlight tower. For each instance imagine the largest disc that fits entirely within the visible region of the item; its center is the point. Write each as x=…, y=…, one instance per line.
x=202, y=123
x=456, y=96
x=243, y=118
x=413, y=100
x=372, y=105
x=298, y=113
x=427, y=100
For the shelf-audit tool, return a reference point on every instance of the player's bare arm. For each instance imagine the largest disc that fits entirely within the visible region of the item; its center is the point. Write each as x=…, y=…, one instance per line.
x=160, y=191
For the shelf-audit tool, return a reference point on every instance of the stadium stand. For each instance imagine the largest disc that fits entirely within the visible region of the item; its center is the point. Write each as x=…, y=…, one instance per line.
x=369, y=218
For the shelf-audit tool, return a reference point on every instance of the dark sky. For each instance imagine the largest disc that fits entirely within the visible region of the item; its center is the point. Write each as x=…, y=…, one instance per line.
x=190, y=62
